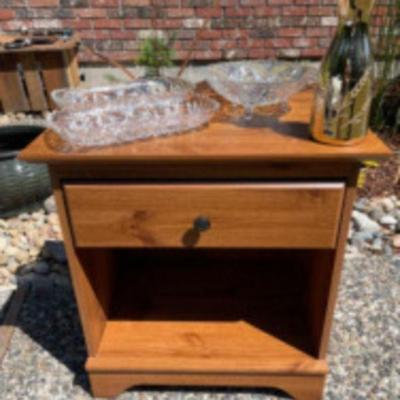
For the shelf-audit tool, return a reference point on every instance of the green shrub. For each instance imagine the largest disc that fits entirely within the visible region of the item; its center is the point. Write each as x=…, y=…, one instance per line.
x=156, y=52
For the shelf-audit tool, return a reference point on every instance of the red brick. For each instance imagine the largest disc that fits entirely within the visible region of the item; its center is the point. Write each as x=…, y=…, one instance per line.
x=76, y=23
x=210, y=34
x=180, y=12
x=6, y=14
x=293, y=21
x=322, y=11
x=317, y=32
x=294, y=10
x=238, y=12
x=105, y=3
x=223, y=44
x=44, y=3
x=97, y=34
x=209, y=12
x=280, y=2
x=137, y=3
x=290, y=32
x=379, y=10
x=235, y=33
x=137, y=23
x=278, y=43
x=199, y=44
x=167, y=23
x=267, y=11
x=181, y=54
x=309, y=2
x=313, y=53
x=304, y=42
x=90, y=13
x=251, y=43
x=107, y=24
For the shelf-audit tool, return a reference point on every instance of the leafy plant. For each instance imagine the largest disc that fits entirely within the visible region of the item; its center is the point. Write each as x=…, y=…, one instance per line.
x=156, y=52
x=388, y=53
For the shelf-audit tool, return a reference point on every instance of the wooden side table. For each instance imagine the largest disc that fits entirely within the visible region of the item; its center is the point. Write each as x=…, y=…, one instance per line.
x=209, y=258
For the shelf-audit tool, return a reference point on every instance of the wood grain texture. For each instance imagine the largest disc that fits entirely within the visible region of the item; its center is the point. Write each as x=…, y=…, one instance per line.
x=91, y=303
x=12, y=92
x=70, y=57
x=54, y=73
x=197, y=347
x=301, y=387
x=34, y=83
x=332, y=291
x=28, y=75
x=241, y=215
x=270, y=141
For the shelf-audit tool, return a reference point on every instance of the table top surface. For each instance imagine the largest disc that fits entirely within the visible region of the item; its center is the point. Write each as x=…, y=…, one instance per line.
x=267, y=139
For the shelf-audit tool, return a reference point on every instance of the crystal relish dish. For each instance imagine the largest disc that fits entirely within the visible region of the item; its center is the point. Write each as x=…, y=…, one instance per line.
x=144, y=89
x=259, y=83
x=127, y=120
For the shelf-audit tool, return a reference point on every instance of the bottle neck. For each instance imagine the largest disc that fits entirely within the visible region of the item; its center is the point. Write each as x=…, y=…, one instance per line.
x=354, y=11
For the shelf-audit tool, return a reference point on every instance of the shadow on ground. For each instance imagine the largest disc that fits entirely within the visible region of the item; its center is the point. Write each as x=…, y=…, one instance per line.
x=49, y=316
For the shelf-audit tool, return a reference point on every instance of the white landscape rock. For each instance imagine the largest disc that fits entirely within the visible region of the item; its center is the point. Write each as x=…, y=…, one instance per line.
x=6, y=292
x=388, y=203
x=377, y=213
x=377, y=244
x=363, y=222
x=396, y=241
x=50, y=205
x=388, y=220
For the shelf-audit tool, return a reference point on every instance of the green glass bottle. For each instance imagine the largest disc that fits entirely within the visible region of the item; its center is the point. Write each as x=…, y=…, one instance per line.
x=343, y=97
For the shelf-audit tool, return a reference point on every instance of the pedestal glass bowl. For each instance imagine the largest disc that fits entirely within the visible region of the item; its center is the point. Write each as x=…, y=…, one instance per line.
x=141, y=90
x=259, y=83
x=127, y=119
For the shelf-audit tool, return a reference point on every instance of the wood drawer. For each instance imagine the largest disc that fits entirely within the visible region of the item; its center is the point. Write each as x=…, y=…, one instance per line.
x=286, y=215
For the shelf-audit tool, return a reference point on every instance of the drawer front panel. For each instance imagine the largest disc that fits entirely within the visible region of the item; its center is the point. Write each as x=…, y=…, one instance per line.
x=286, y=215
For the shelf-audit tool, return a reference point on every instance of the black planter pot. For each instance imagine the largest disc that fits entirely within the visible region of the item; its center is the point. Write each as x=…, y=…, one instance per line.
x=22, y=185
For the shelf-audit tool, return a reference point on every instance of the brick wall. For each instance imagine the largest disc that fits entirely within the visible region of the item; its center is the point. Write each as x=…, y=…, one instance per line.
x=229, y=28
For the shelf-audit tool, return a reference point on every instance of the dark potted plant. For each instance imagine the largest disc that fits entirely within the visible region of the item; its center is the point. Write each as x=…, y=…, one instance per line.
x=23, y=185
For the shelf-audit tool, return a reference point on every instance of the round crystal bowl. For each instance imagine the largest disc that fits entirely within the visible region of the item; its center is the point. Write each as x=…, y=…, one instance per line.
x=141, y=90
x=127, y=120
x=255, y=83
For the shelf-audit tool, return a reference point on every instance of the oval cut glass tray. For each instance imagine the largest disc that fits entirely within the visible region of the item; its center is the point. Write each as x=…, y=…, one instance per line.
x=141, y=90
x=127, y=120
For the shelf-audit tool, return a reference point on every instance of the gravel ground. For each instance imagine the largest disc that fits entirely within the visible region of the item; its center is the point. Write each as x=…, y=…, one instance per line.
x=47, y=352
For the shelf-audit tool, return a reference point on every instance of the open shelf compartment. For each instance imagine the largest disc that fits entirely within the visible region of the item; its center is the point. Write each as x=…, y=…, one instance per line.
x=207, y=310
